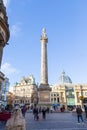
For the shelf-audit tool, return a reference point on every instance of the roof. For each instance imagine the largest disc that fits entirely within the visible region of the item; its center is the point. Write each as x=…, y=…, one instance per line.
x=64, y=78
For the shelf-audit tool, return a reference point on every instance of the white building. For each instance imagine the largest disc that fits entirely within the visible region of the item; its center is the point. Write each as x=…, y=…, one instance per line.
x=68, y=94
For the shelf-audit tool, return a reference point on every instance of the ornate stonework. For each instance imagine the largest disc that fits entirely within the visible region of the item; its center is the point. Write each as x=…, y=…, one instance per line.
x=25, y=92
x=4, y=29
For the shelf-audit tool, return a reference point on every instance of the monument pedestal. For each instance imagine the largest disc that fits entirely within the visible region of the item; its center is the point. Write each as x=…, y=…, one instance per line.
x=44, y=95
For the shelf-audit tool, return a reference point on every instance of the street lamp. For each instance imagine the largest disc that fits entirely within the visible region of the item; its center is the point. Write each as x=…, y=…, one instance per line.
x=81, y=98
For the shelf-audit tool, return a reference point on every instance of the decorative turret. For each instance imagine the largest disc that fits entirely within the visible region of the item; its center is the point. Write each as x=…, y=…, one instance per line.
x=4, y=29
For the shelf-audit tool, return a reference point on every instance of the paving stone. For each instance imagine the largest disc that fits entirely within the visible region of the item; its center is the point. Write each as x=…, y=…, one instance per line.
x=54, y=121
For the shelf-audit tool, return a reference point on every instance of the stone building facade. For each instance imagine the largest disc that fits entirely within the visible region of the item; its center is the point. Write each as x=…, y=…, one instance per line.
x=63, y=93
x=25, y=92
x=67, y=93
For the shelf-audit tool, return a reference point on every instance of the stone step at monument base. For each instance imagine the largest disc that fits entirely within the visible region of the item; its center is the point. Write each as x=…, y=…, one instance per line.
x=44, y=87
x=44, y=104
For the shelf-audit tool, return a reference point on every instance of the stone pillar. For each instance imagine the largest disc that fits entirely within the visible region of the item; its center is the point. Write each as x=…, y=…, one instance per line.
x=44, y=66
x=44, y=88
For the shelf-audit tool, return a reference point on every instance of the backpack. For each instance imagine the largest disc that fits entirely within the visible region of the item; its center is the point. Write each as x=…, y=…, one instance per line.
x=79, y=111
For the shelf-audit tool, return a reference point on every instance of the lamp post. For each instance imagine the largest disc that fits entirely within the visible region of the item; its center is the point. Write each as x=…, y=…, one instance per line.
x=81, y=98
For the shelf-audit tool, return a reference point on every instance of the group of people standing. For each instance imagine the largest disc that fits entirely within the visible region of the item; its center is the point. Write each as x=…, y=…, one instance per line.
x=36, y=112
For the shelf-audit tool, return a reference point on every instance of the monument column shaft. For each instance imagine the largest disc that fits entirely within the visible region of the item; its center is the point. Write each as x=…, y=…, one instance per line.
x=44, y=88
x=44, y=66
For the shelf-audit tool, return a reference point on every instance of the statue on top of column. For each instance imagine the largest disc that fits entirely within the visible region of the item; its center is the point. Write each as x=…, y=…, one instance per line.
x=44, y=33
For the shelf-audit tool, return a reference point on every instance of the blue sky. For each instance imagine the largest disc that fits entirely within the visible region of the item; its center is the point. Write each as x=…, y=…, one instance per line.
x=66, y=26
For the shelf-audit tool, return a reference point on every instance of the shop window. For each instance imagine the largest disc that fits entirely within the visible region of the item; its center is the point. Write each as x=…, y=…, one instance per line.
x=85, y=93
x=54, y=99
x=54, y=94
x=57, y=99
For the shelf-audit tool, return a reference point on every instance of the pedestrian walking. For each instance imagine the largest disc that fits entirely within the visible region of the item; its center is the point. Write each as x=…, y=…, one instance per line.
x=44, y=113
x=79, y=114
x=24, y=109
x=16, y=122
x=85, y=107
x=35, y=112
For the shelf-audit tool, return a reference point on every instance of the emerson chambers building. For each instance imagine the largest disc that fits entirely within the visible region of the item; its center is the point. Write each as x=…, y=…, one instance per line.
x=63, y=93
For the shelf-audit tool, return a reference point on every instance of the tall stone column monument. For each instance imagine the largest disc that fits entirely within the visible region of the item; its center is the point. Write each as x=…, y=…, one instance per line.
x=44, y=88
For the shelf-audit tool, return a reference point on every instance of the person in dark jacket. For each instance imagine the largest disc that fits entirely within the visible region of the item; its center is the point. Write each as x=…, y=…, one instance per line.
x=79, y=114
x=85, y=107
x=35, y=112
x=24, y=109
x=44, y=113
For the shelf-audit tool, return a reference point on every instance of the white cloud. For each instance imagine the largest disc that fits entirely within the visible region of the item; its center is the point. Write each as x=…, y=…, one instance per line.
x=11, y=73
x=15, y=29
x=7, y=69
x=6, y=2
